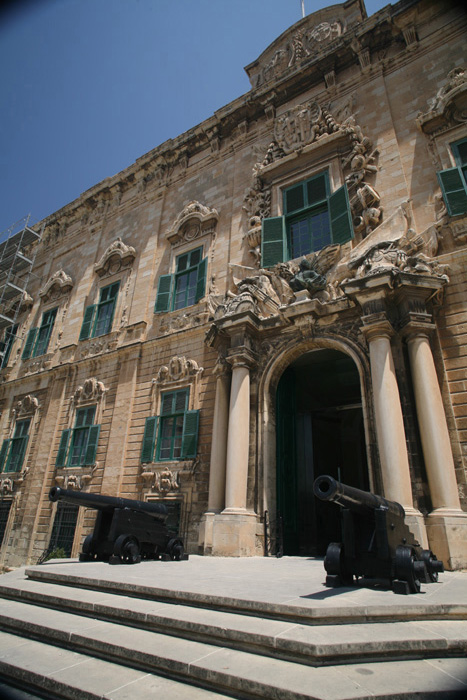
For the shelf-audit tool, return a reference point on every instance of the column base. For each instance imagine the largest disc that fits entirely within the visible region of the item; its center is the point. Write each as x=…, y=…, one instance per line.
x=416, y=524
x=447, y=537
x=231, y=533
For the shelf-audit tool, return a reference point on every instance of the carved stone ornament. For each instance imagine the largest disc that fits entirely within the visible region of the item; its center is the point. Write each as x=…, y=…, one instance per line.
x=179, y=368
x=118, y=256
x=449, y=107
x=259, y=291
x=304, y=43
x=91, y=391
x=58, y=285
x=26, y=407
x=302, y=125
x=75, y=481
x=162, y=480
x=6, y=486
x=193, y=221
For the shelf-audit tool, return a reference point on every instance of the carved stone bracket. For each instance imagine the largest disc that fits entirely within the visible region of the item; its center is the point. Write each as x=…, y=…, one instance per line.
x=193, y=221
x=449, y=107
x=179, y=368
x=118, y=256
x=58, y=285
x=74, y=480
x=26, y=407
x=92, y=391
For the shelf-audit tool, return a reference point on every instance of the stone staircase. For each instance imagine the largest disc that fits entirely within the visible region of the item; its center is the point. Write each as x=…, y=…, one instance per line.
x=75, y=636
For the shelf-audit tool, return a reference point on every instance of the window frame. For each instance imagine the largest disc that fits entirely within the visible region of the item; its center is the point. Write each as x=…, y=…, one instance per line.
x=38, y=338
x=9, y=338
x=166, y=297
x=15, y=447
x=88, y=431
x=185, y=419
x=453, y=181
x=94, y=314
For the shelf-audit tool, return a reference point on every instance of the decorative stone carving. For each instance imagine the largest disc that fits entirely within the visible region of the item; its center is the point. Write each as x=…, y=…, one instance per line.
x=73, y=480
x=173, y=322
x=58, y=285
x=302, y=125
x=449, y=107
x=118, y=256
x=6, y=486
x=303, y=44
x=92, y=391
x=26, y=407
x=259, y=291
x=179, y=368
x=257, y=200
x=193, y=221
x=311, y=275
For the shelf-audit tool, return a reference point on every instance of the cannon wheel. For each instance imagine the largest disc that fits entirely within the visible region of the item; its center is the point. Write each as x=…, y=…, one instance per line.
x=175, y=549
x=408, y=571
x=86, y=554
x=126, y=547
x=337, y=575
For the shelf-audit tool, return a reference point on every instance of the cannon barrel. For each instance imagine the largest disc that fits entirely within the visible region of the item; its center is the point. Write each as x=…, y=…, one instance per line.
x=99, y=502
x=328, y=489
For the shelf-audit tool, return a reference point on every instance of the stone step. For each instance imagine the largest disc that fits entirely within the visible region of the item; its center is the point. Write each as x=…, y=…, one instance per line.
x=394, y=607
x=81, y=645
x=315, y=644
x=62, y=673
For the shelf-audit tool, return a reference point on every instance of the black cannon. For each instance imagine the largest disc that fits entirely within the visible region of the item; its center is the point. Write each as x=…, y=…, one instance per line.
x=376, y=541
x=125, y=531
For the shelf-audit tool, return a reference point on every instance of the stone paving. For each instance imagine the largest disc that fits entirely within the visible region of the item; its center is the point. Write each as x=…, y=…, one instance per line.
x=244, y=628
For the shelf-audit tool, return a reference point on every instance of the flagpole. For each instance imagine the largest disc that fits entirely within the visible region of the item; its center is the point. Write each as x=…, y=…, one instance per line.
x=303, y=9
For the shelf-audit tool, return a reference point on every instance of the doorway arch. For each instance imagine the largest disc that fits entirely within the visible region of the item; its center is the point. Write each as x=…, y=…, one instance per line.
x=319, y=430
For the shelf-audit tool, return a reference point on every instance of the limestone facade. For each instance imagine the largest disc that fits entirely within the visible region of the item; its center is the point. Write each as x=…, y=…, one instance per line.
x=297, y=244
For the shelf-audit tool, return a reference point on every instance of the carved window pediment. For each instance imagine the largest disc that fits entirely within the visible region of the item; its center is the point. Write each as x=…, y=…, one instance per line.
x=449, y=107
x=117, y=257
x=92, y=391
x=195, y=220
x=56, y=286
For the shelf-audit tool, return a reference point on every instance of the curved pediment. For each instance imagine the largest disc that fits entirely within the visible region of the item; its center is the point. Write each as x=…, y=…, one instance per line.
x=449, y=107
x=60, y=283
x=193, y=221
x=312, y=36
x=117, y=257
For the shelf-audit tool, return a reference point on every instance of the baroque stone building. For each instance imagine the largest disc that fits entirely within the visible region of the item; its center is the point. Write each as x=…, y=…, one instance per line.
x=279, y=293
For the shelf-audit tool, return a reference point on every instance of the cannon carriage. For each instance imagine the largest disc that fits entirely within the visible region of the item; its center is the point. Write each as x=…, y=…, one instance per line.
x=125, y=530
x=376, y=541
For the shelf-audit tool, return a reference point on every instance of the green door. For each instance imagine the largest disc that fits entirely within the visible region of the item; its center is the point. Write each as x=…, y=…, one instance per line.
x=319, y=423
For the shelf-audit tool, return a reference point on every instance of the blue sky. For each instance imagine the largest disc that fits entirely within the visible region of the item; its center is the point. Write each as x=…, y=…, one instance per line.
x=89, y=86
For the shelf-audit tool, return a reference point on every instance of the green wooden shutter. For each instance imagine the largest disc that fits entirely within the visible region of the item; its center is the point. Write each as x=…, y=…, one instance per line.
x=91, y=447
x=164, y=294
x=454, y=191
x=341, y=219
x=87, y=322
x=149, y=439
x=3, y=453
x=201, y=282
x=273, y=241
x=294, y=198
x=190, y=434
x=30, y=340
x=21, y=451
x=63, y=449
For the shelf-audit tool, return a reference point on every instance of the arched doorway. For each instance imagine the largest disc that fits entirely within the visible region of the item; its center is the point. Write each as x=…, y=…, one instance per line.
x=320, y=430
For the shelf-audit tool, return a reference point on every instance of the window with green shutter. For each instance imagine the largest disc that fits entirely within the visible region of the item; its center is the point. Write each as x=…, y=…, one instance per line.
x=6, y=345
x=98, y=318
x=174, y=433
x=78, y=445
x=453, y=181
x=313, y=218
x=13, y=450
x=37, y=341
x=186, y=286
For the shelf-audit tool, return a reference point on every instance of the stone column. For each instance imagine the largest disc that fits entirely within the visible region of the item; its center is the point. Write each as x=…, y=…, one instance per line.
x=238, y=438
x=216, y=500
x=447, y=523
x=234, y=530
x=388, y=413
x=216, y=497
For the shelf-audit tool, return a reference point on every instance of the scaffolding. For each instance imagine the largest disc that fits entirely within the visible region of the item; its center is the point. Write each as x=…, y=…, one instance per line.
x=17, y=255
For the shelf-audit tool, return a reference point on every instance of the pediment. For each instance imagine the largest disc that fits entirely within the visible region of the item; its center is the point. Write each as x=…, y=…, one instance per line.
x=60, y=283
x=193, y=221
x=449, y=107
x=117, y=257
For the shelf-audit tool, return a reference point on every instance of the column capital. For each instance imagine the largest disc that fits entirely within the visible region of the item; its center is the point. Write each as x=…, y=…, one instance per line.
x=417, y=329
x=376, y=326
x=241, y=357
x=222, y=368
